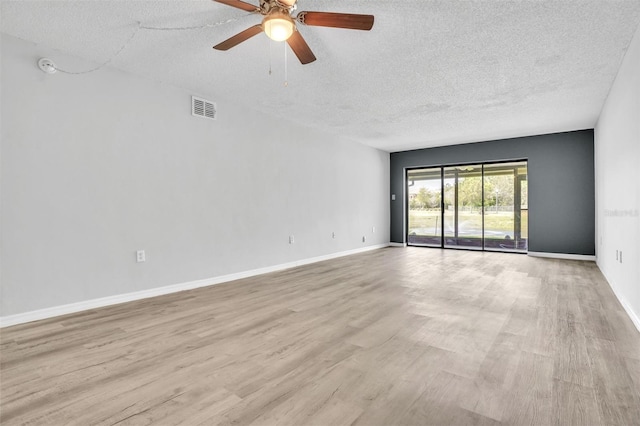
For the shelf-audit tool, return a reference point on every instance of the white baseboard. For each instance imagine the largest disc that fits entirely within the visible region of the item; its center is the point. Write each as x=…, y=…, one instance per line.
x=634, y=318
x=632, y=315
x=397, y=244
x=565, y=256
x=71, y=308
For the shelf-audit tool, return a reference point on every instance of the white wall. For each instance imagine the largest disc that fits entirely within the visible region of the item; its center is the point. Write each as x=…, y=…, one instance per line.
x=617, y=153
x=96, y=166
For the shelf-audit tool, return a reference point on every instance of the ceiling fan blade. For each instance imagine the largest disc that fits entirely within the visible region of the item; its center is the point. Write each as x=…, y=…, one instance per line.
x=239, y=38
x=240, y=5
x=300, y=48
x=350, y=21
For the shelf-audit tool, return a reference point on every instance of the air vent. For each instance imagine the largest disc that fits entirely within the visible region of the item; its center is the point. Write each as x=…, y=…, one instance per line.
x=203, y=108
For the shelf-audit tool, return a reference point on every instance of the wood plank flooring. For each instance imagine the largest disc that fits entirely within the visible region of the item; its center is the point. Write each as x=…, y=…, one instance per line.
x=405, y=336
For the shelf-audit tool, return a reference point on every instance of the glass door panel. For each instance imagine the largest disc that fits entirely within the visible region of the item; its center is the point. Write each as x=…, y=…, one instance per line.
x=463, y=207
x=424, y=187
x=503, y=206
x=524, y=211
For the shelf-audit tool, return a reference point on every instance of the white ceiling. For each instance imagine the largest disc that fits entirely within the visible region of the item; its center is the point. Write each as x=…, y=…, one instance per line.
x=431, y=72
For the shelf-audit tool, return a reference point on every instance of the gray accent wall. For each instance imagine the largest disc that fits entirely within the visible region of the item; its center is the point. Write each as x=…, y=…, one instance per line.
x=561, y=185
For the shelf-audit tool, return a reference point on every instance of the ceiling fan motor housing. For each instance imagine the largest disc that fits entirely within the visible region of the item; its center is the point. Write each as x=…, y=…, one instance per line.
x=270, y=6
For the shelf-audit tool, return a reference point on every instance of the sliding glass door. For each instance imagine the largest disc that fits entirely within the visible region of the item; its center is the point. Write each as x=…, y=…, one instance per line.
x=472, y=206
x=463, y=206
x=504, y=187
x=425, y=212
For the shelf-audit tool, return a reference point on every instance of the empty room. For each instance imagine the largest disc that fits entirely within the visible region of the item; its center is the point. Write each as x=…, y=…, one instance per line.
x=297, y=212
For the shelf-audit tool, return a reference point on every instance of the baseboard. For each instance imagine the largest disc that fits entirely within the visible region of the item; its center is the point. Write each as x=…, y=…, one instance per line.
x=397, y=244
x=71, y=308
x=565, y=256
x=632, y=315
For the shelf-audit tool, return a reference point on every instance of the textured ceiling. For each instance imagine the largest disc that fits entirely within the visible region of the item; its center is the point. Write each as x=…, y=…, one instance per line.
x=429, y=72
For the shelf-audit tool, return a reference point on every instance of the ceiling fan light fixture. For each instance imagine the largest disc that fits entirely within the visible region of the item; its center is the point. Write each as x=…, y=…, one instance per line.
x=278, y=26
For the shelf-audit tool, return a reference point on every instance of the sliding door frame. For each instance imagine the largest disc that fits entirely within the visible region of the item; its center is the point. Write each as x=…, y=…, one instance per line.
x=517, y=226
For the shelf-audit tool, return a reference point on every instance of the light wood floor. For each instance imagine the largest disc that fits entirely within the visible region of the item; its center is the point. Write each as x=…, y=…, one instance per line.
x=394, y=336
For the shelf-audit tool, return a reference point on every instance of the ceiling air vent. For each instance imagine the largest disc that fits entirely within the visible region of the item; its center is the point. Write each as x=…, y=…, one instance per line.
x=203, y=108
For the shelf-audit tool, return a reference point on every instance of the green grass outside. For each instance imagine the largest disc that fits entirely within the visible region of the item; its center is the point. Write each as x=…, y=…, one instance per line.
x=429, y=222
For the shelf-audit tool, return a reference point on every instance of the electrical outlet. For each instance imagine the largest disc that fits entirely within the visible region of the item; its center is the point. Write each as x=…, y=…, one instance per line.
x=620, y=256
x=140, y=256
x=333, y=235
x=291, y=239
x=393, y=197
x=364, y=239
x=373, y=229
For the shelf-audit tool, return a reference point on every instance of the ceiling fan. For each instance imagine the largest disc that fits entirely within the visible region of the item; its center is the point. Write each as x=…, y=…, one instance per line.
x=279, y=25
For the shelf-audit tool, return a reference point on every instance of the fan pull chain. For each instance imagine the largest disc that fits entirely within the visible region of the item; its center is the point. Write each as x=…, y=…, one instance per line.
x=270, y=43
x=286, y=74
